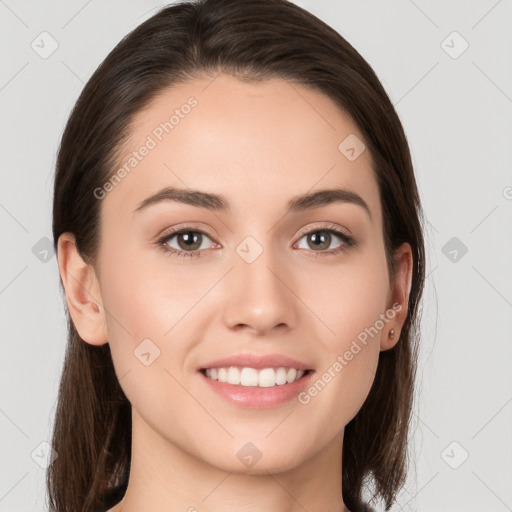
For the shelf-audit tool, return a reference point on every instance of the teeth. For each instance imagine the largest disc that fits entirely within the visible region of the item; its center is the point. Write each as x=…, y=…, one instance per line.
x=264, y=378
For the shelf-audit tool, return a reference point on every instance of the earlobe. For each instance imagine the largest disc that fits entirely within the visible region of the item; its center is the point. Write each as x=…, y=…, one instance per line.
x=83, y=293
x=399, y=301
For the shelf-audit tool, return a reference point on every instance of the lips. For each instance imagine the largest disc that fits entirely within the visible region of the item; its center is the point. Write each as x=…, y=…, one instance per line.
x=257, y=362
x=266, y=383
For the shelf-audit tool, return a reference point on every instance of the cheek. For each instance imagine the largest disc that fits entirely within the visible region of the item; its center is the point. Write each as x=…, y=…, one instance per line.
x=148, y=296
x=353, y=307
x=152, y=307
x=146, y=315
x=349, y=298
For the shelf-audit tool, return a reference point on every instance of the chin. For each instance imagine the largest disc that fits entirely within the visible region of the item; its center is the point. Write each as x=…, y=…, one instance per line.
x=249, y=459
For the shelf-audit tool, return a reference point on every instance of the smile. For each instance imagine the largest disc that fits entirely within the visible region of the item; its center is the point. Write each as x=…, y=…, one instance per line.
x=246, y=376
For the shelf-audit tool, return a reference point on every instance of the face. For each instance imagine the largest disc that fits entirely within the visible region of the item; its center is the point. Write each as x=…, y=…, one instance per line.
x=245, y=269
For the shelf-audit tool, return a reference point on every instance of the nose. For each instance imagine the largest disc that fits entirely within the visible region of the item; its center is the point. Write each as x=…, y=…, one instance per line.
x=259, y=296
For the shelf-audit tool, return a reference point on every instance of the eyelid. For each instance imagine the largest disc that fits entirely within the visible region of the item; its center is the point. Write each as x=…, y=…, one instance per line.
x=304, y=231
x=323, y=226
x=185, y=227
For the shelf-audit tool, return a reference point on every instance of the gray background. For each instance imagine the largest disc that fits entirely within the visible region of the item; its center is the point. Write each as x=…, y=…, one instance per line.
x=456, y=109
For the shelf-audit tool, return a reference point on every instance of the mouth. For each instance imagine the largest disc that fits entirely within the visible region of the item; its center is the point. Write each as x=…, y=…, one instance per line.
x=256, y=377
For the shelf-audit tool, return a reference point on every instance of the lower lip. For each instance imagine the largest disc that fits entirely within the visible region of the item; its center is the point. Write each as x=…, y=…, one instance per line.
x=258, y=398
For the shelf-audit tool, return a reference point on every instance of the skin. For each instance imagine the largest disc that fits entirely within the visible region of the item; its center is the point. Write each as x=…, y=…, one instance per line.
x=259, y=145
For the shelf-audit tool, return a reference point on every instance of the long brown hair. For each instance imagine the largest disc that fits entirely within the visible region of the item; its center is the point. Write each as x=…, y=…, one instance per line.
x=251, y=40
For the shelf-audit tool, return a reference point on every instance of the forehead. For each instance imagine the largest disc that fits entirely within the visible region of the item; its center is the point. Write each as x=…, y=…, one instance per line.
x=257, y=143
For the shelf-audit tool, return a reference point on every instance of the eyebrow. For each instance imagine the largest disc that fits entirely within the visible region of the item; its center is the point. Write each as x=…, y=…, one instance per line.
x=217, y=202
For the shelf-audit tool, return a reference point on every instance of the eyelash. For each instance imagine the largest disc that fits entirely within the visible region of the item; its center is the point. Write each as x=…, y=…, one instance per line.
x=347, y=240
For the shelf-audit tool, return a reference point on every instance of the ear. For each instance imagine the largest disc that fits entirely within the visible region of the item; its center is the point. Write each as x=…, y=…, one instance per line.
x=399, y=296
x=83, y=293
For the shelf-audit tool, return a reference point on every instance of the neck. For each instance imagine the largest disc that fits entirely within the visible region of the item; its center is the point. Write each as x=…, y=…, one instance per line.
x=165, y=478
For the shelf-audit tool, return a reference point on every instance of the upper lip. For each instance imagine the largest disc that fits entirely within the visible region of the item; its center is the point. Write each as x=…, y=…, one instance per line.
x=257, y=361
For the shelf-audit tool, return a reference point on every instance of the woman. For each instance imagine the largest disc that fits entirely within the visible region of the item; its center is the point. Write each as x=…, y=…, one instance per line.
x=237, y=226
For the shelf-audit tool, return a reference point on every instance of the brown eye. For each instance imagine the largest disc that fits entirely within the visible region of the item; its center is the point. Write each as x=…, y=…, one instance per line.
x=319, y=240
x=190, y=242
